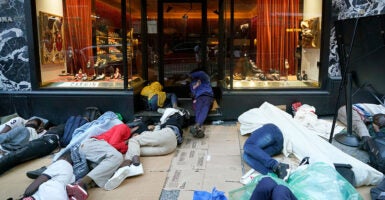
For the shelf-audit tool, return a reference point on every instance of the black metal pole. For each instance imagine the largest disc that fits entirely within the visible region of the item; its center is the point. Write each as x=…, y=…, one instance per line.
x=343, y=84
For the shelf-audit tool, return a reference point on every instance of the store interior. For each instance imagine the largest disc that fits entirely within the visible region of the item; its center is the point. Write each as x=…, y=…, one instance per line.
x=89, y=52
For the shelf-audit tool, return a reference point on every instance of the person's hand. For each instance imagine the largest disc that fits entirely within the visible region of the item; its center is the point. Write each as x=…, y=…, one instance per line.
x=376, y=128
x=150, y=127
x=378, y=122
x=196, y=84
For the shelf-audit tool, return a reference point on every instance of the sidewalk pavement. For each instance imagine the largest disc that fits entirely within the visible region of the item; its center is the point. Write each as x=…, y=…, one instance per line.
x=198, y=164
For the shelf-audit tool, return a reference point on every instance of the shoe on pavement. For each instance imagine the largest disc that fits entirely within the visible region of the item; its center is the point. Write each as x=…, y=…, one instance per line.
x=36, y=173
x=121, y=174
x=282, y=171
x=199, y=132
x=75, y=191
x=160, y=110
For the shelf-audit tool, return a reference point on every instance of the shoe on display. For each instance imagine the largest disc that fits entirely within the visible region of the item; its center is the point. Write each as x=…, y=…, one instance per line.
x=88, y=64
x=121, y=174
x=36, y=173
x=100, y=77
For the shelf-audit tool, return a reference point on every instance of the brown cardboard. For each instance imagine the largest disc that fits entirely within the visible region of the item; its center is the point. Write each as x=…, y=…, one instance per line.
x=187, y=179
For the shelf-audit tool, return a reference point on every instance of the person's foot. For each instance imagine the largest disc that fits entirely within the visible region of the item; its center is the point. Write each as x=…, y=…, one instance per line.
x=136, y=160
x=193, y=130
x=199, y=132
x=36, y=173
x=75, y=191
x=121, y=174
x=304, y=161
x=160, y=110
x=282, y=171
x=363, y=144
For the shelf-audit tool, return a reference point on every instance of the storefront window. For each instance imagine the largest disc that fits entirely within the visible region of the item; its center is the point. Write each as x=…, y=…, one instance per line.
x=275, y=45
x=81, y=44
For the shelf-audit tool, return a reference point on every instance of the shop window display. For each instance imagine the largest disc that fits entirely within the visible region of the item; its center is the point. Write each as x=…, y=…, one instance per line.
x=277, y=48
x=90, y=37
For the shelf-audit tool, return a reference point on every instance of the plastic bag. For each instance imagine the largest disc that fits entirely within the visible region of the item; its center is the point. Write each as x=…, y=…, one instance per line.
x=214, y=195
x=316, y=181
x=321, y=181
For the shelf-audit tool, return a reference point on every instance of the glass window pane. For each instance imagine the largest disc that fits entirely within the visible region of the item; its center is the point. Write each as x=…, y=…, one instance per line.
x=276, y=45
x=81, y=44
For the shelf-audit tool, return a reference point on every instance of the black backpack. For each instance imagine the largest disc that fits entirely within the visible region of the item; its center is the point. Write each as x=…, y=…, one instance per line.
x=91, y=113
x=71, y=124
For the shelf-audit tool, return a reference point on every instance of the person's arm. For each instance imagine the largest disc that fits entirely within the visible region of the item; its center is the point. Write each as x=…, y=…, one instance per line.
x=12, y=123
x=5, y=129
x=34, y=186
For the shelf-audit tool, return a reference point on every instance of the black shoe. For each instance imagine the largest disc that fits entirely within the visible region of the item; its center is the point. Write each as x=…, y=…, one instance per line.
x=282, y=171
x=304, y=161
x=363, y=144
x=36, y=173
x=200, y=133
x=197, y=132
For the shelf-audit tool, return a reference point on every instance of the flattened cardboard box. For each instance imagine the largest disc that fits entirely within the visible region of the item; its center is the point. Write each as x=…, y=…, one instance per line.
x=187, y=179
x=193, y=159
x=194, y=143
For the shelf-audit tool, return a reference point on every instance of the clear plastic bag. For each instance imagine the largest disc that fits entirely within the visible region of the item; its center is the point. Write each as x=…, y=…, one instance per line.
x=321, y=181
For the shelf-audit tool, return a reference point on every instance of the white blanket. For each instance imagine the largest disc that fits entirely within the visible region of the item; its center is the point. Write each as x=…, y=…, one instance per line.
x=302, y=142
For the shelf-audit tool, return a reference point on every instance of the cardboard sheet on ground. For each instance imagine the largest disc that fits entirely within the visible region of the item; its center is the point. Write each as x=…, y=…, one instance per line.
x=303, y=142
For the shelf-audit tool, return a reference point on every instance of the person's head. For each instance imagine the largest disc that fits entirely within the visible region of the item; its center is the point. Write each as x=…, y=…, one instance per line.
x=35, y=123
x=379, y=120
x=144, y=124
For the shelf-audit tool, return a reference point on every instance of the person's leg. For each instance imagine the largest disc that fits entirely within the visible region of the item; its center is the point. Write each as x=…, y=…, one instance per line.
x=107, y=158
x=281, y=192
x=153, y=103
x=358, y=126
x=34, y=149
x=152, y=143
x=174, y=99
x=163, y=142
x=273, y=146
x=15, y=138
x=254, y=154
x=202, y=108
x=264, y=189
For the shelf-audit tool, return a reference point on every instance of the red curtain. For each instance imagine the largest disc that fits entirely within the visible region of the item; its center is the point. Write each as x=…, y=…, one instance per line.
x=276, y=26
x=78, y=34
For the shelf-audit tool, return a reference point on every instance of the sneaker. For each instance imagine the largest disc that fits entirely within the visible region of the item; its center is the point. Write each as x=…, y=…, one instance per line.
x=121, y=174
x=282, y=171
x=136, y=160
x=363, y=144
x=75, y=191
x=249, y=176
x=193, y=130
x=160, y=110
x=199, y=133
x=304, y=161
x=36, y=173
